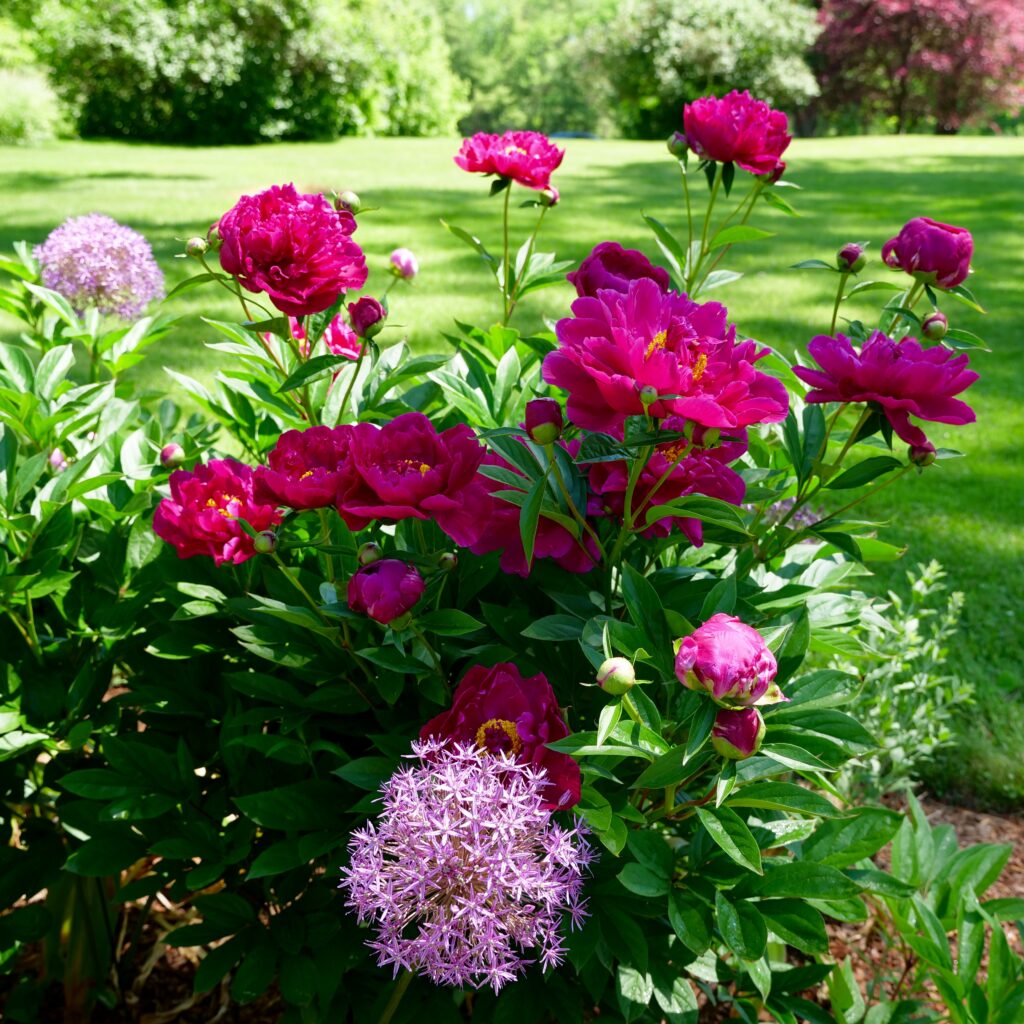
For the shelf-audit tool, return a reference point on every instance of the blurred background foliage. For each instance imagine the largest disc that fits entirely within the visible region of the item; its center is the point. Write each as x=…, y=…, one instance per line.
x=245, y=71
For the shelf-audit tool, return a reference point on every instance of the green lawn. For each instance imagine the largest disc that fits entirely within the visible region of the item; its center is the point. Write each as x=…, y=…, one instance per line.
x=969, y=513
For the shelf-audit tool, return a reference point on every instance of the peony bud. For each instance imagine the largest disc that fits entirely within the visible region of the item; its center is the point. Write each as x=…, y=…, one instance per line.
x=196, y=247
x=648, y=395
x=57, y=460
x=348, y=201
x=172, y=455
x=851, y=258
x=616, y=676
x=367, y=316
x=265, y=543
x=677, y=145
x=369, y=553
x=404, y=264
x=549, y=196
x=934, y=326
x=544, y=420
x=922, y=454
x=737, y=734
x=447, y=561
x=386, y=591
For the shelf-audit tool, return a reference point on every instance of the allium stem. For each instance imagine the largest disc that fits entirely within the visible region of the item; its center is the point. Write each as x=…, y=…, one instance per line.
x=404, y=979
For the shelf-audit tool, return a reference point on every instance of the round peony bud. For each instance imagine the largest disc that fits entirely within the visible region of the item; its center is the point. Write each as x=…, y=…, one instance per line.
x=934, y=326
x=265, y=543
x=544, y=420
x=172, y=455
x=616, y=676
x=196, y=247
x=851, y=258
x=737, y=734
x=348, y=201
x=922, y=454
x=648, y=395
x=57, y=460
x=447, y=561
x=369, y=553
x=677, y=145
x=386, y=591
x=367, y=316
x=404, y=264
x=549, y=196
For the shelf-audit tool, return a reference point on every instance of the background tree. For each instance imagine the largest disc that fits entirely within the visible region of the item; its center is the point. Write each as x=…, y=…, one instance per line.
x=938, y=64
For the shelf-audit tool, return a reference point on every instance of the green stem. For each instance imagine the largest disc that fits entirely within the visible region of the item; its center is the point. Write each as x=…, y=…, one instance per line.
x=839, y=298
x=396, y=997
x=434, y=656
x=689, y=210
x=912, y=296
x=635, y=470
x=506, y=312
x=296, y=582
x=581, y=519
x=514, y=297
x=352, y=382
x=695, y=271
x=325, y=538
x=856, y=501
x=749, y=202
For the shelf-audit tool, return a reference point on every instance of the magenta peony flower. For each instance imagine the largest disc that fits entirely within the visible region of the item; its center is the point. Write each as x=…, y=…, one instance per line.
x=201, y=517
x=367, y=316
x=901, y=377
x=503, y=713
x=500, y=532
x=406, y=469
x=306, y=468
x=528, y=158
x=611, y=266
x=385, y=589
x=729, y=661
x=404, y=263
x=338, y=338
x=738, y=129
x=737, y=734
x=96, y=263
x=932, y=252
x=616, y=344
x=464, y=875
x=296, y=248
x=544, y=420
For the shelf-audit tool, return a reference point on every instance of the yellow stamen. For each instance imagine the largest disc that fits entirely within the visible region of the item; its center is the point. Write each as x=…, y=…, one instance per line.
x=222, y=505
x=699, y=367
x=306, y=475
x=657, y=343
x=509, y=728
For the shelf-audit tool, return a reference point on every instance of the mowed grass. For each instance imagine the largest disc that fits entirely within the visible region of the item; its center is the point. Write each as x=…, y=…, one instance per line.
x=967, y=513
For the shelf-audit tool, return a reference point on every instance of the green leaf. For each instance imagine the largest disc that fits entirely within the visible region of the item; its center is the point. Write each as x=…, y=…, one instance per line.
x=311, y=370
x=449, y=622
x=529, y=517
x=473, y=242
x=366, y=772
x=864, y=472
x=638, y=879
x=308, y=805
x=742, y=927
x=555, y=628
x=796, y=923
x=670, y=246
x=218, y=962
x=690, y=920
x=653, y=852
x=730, y=832
x=666, y=771
x=805, y=880
x=794, y=757
x=813, y=265
x=255, y=973
x=843, y=842
x=699, y=506
x=739, y=233
x=103, y=856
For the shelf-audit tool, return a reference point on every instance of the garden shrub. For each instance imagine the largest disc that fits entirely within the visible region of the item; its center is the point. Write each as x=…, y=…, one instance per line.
x=28, y=107
x=463, y=661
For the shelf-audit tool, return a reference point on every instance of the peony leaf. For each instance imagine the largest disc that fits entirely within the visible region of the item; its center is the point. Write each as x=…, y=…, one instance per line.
x=738, y=233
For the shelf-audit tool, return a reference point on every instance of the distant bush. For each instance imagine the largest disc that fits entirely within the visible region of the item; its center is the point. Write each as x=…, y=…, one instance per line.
x=257, y=70
x=28, y=107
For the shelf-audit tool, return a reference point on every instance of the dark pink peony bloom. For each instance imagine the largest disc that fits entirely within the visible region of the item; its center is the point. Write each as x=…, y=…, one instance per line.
x=367, y=316
x=499, y=710
x=729, y=661
x=296, y=248
x=528, y=158
x=737, y=734
x=931, y=251
x=385, y=589
x=406, y=469
x=698, y=471
x=306, y=468
x=500, y=532
x=611, y=266
x=201, y=515
x=900, y=376
x=738, y=128
x=615, y=344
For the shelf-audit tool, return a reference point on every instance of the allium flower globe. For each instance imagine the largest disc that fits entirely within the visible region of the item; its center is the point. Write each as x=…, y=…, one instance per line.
x=96, y=263
x=464, y=876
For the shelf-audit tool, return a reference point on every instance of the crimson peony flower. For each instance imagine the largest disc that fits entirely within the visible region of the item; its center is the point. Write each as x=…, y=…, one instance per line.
x=528, y=158
x=737, y=734
x=611, y=266
x=500, y=532
x=616, y=344
x=296, y=248
x=737, y=129
x=900, y=376
x=385, y=589
x=500, y=711
x=306, y=468
x=729, y=661
x=201, y=517
x=367, y=316
x=406, y=469
x=931, y=251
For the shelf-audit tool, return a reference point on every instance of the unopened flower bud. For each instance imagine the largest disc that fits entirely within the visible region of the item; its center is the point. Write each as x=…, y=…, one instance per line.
x=404, y=264
x=677, y=145
x=934, y=326
x=348, y=200
x=57, y=460
x=265, y=543
x=851, y=258
x=616, y=676
x=367, y=316
x=447, y=561
x=922, y=454
x=544, y=420
x=711, y=437
x=196, y=247
x=213, y=239
x=172, y=455
x=648, y=395
x=737, y=734
x=549, y=196
x=386, y=590
x=369, y=553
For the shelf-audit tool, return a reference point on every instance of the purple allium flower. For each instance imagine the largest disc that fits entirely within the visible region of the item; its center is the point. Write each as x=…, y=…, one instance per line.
x=464, y=875
x=95, y=262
